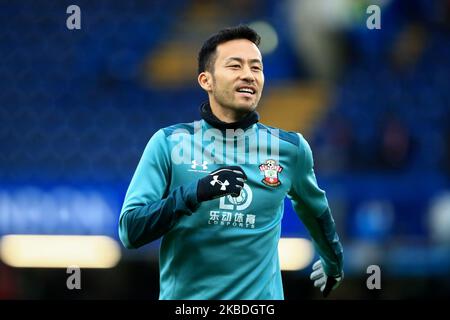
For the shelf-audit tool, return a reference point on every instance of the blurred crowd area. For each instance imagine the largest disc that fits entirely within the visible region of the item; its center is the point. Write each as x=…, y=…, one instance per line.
x=77, y=108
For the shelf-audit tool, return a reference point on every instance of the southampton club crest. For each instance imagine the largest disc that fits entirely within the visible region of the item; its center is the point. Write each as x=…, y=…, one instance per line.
x=271, y=170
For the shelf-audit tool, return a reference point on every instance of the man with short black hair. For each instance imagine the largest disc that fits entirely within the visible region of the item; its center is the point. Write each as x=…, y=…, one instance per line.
x=214, y=189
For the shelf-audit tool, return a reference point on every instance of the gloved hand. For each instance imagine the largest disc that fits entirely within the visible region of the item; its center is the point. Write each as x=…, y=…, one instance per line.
x=221, y=182
x=324, y=282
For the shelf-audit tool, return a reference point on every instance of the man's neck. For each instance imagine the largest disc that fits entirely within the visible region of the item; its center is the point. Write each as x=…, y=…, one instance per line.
x=244, y=122
x=226, y=115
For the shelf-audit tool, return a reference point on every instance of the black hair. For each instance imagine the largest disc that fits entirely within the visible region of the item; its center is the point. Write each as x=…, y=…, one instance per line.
x=206, y=56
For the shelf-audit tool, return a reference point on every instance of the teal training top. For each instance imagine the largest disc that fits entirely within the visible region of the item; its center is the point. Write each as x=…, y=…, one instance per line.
x=224, y=248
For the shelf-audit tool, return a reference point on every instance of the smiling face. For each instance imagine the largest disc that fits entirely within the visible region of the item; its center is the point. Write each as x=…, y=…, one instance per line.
x=236, y=81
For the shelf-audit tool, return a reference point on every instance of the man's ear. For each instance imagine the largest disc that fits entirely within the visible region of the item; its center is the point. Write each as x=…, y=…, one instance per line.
x=205, y=80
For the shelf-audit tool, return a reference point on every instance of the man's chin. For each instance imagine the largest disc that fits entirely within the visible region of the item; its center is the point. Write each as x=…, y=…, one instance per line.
x=245, y=108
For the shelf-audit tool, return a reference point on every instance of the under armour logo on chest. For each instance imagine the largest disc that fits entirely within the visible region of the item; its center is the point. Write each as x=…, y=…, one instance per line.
x=195, y=164
x=223, y=184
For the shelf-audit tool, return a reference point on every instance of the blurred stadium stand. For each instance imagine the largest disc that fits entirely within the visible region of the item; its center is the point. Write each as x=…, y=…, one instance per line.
x=78, y=107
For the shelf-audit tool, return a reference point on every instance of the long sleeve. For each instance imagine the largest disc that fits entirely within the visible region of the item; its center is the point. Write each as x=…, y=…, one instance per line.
x=311, y=205
x=150, y=209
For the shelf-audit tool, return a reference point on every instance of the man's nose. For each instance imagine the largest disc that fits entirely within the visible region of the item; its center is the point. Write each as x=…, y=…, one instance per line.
x=247, y=74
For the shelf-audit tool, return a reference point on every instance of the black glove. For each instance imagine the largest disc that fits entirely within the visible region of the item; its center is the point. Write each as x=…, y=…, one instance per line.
x=221, y=182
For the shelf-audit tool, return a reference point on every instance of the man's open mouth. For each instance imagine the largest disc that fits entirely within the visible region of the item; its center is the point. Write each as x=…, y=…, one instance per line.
x=247, y=90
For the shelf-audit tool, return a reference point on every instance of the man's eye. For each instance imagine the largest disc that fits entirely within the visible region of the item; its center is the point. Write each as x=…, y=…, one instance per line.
x=235, y=66
x=256, y=68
